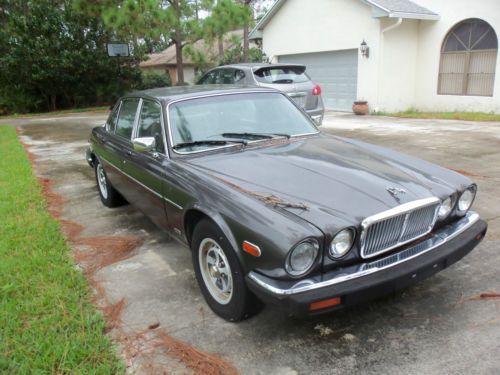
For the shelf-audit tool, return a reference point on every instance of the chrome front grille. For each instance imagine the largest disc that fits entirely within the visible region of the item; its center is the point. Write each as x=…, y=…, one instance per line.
x=395, y=227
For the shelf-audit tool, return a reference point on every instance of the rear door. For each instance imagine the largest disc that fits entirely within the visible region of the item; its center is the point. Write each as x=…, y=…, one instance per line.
x=119, y=147
x=147, y=169
x=105, y=147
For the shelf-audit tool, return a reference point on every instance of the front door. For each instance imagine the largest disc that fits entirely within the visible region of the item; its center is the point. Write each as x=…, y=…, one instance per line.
x=147, y=169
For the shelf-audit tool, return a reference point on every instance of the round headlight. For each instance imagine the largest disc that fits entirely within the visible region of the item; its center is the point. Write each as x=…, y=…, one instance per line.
x=341, y=243
x=445, y=208
x=466, y=199
x=302, y=257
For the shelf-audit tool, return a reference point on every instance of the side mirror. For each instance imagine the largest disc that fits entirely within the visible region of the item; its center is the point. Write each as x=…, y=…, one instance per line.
x=144, y=144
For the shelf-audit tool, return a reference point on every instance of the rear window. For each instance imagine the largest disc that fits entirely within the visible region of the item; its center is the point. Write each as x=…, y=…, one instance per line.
x=281, y=75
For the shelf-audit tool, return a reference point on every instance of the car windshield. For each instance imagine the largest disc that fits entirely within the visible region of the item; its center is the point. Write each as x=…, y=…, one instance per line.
x=284, y=74
x=196, y=123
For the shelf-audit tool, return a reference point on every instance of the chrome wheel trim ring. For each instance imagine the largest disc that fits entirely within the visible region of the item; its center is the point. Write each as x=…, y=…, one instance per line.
x=215, y=271
x=101, y=180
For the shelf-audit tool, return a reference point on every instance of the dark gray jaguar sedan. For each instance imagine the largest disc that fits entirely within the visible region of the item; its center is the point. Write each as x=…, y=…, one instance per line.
x=272, y=209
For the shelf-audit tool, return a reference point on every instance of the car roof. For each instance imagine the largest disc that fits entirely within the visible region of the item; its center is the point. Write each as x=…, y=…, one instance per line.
x=168, y=94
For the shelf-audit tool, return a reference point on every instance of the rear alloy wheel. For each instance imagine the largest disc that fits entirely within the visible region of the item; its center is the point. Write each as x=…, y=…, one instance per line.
x=109, y=196
x=219, y=274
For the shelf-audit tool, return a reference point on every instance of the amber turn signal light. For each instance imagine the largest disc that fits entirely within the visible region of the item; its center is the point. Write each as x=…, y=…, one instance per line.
x=251, y=249
x=325, y=304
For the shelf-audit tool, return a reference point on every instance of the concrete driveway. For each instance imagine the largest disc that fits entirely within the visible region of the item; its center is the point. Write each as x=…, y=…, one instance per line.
x=158, y=316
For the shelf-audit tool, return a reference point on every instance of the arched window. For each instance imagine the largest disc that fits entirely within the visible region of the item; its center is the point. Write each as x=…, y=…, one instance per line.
x=468, y=59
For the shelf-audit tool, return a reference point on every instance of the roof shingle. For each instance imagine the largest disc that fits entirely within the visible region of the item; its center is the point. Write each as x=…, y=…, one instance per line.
x=402, y=7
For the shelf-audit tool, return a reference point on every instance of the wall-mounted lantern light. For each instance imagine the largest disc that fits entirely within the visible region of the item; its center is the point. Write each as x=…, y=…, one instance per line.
x=364, y=49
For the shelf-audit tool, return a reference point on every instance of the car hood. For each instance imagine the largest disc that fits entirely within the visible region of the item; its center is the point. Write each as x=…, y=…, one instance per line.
x=330, y=181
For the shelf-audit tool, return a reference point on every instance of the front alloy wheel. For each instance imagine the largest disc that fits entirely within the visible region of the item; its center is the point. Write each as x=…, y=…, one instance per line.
x=215, y=271
x=219, y=274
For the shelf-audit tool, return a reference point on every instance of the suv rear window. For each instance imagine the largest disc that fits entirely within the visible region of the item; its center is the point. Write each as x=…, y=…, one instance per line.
x=281, y=74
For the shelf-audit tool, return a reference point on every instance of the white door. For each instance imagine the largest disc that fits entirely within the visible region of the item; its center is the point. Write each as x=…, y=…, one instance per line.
x=335, y=71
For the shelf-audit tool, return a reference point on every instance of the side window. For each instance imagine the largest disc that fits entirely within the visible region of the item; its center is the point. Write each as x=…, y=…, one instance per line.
x=150, y=123
x=208, y=78
x=111, y=122
x=238, y=75
x=227, y=76
x=126, y=118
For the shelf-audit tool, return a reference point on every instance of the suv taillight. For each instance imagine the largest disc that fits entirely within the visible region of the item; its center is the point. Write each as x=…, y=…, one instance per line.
x=317, y=90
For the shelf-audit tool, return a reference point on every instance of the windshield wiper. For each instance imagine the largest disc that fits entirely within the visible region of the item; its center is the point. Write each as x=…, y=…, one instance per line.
x=255, y=135
x=210, y=142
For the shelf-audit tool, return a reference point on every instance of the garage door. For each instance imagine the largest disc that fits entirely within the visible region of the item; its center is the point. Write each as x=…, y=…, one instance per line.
x=335, y=71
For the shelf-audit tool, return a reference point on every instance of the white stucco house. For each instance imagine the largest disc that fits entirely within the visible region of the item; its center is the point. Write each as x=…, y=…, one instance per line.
x=432, y=55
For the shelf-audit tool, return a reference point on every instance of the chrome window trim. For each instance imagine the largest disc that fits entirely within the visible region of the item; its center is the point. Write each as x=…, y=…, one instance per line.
x=396, y=211
x=442, y=237
x=116, y=108
x=225, y=94
x=162, y=120
x=144, y=186
x=135, y=118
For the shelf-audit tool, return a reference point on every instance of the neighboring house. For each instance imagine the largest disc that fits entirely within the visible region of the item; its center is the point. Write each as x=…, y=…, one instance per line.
x=165, y=61
x=433, y=55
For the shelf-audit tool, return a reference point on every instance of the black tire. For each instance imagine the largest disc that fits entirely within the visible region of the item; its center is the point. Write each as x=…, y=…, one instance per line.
x=109, y=196
x=242, y=304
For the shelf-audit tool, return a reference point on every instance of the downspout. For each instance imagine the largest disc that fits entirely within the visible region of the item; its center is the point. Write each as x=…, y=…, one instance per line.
x=381, y=56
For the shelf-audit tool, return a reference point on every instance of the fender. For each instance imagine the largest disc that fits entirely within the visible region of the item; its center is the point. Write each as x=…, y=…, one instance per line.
x=217, y=218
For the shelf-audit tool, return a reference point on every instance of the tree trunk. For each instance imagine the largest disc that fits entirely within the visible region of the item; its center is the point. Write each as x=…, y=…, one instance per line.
x=245, y=42
x=178, y=46
x=178, y=59
x=220, y=42
x=53, y=102
x=245, y=31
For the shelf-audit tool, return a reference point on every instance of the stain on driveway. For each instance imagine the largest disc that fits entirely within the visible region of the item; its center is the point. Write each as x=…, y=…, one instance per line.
x=431, y=328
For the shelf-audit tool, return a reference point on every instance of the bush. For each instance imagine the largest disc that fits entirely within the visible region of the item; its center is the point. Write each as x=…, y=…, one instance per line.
x=151, y=80
x=53, y=56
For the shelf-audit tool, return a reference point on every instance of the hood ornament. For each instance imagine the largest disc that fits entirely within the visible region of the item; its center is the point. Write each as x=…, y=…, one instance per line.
x=395, y=192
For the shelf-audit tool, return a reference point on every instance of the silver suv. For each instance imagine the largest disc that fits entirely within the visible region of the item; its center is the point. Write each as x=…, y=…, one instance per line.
x=291, y=79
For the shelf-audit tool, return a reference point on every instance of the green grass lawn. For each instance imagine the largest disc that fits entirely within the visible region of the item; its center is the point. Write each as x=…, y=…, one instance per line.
x=464, y=116
x=55, y=113
x=47, y=323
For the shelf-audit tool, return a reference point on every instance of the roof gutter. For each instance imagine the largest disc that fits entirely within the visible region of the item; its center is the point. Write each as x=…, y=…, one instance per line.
x=415, y=16
x=381, y=54
x=393, y=26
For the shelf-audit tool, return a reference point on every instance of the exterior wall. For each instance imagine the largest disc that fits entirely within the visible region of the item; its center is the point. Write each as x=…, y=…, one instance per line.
x=188, y=74
x=396, y=84
x=431, y=36
x=326, y=25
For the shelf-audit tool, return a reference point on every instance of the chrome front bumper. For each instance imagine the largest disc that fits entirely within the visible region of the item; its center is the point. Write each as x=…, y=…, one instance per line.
x=438, y=239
